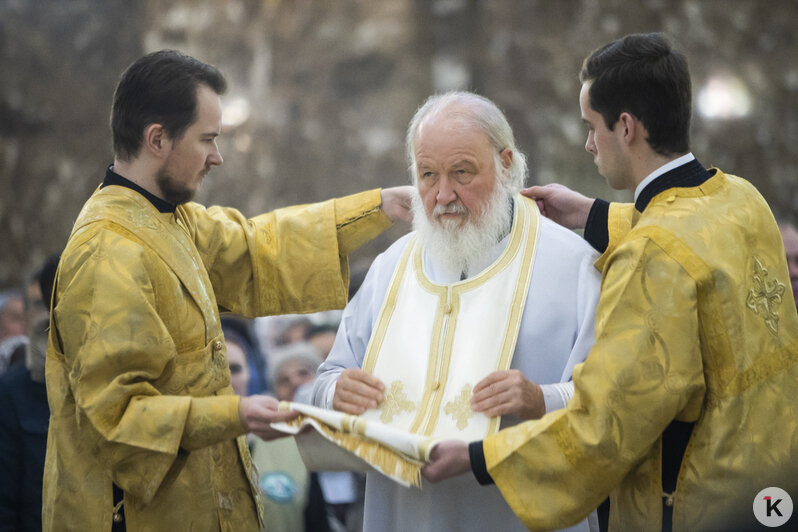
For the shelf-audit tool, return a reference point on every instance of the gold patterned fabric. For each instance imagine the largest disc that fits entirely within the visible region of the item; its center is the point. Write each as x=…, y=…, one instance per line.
x=137, y=376
x=693, y=325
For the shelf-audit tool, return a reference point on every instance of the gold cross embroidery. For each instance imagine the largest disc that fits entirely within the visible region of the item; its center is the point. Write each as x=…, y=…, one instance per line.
x=765, y=297
x=395, y=403
x=460, y=408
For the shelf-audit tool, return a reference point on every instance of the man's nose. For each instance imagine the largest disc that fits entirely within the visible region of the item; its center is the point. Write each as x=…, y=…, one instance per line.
x=446, y=191
x=589, y=144
x=215, y=158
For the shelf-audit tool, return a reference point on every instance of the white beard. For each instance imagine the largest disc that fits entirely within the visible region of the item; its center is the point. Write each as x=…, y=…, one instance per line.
x=468, y=249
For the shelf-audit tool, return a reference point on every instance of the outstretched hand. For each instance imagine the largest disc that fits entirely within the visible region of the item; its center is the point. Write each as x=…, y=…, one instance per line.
x=397, y=203
x=357, y=391
x=561, y=204
x=258, y=412
x=448, y=459
x=508, y=392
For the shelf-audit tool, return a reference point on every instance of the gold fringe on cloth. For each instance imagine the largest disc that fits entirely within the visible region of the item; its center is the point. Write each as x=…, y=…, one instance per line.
x=382, y=458
x=396, y=454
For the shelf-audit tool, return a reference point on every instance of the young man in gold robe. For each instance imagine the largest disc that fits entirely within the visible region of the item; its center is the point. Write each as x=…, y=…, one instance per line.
x=145, y=432
x=685, y=408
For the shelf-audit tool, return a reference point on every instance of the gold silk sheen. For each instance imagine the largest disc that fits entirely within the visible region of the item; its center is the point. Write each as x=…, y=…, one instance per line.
x=137, y=376
x=694, y=324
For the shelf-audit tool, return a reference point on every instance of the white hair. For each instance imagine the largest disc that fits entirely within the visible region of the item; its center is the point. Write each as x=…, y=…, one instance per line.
x=466, y=249
x=303, y=352
x=472, y=110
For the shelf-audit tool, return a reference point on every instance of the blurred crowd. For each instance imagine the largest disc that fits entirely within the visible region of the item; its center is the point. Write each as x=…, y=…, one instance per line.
x=279, y=355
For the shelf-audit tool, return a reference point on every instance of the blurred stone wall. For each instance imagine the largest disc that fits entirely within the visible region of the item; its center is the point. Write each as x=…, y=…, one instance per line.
x=321, y=92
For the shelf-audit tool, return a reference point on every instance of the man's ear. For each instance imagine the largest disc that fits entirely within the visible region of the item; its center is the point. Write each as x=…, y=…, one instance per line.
x=506, y=156
x=630, y=127
x=156, y=141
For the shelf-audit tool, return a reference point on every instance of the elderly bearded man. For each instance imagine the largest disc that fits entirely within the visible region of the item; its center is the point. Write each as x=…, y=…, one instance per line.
x=458, y=324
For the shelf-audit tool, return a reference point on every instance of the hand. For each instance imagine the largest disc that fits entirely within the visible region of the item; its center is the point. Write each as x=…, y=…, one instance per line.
x=561, y=204
x=508, y=392
x=357, y=391
x=257, y=412
x=397, y=203
x=448, y=459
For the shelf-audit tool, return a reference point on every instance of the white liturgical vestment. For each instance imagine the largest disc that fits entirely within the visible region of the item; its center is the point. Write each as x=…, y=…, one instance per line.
x=430, y=336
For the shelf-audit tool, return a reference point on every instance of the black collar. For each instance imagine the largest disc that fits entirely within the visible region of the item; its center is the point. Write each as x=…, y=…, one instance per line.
x=690, y=174
x=112, y=178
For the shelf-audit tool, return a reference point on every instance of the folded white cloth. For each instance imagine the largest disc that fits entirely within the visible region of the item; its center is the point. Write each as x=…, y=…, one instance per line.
x=397, y=454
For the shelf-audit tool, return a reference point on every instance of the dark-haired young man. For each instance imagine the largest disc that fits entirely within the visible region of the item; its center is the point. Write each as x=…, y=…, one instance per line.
x=145, y=431
x=685, y=408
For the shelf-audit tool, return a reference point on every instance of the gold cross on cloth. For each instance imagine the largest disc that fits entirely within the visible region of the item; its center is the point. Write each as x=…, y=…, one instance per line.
x=460, y=408
x=395, y=403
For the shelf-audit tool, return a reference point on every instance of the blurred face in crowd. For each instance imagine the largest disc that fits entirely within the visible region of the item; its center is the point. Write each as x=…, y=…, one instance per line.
x=323, y=341
x=193, y=154
x=12, y=317
x=464, y=203
x=239, y=369
x=294, y=332
x=291, y=375
x=36, y=309
x=38, y=318
x=790, y=236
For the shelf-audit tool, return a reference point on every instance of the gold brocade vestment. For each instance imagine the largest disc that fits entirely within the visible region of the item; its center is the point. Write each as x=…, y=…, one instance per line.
x=695, y=323
x=137, y=376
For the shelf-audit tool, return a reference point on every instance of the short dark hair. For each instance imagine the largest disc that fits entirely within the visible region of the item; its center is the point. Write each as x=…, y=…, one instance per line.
x=643, y=74
x=159, y=88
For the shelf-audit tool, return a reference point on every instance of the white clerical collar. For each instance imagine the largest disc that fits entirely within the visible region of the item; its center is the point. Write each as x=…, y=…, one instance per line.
x=667, y=167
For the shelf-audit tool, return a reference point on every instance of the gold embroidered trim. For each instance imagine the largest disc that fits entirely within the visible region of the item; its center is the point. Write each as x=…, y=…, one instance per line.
x=252, y=476
x=532, y=229
x=448, y=310
x=347, y=422
x=436, y=350
x=765, y=297
x=375, y=343
x=376, y=454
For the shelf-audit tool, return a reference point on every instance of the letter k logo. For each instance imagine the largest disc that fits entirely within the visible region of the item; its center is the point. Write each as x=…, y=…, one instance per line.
x=772, y=506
